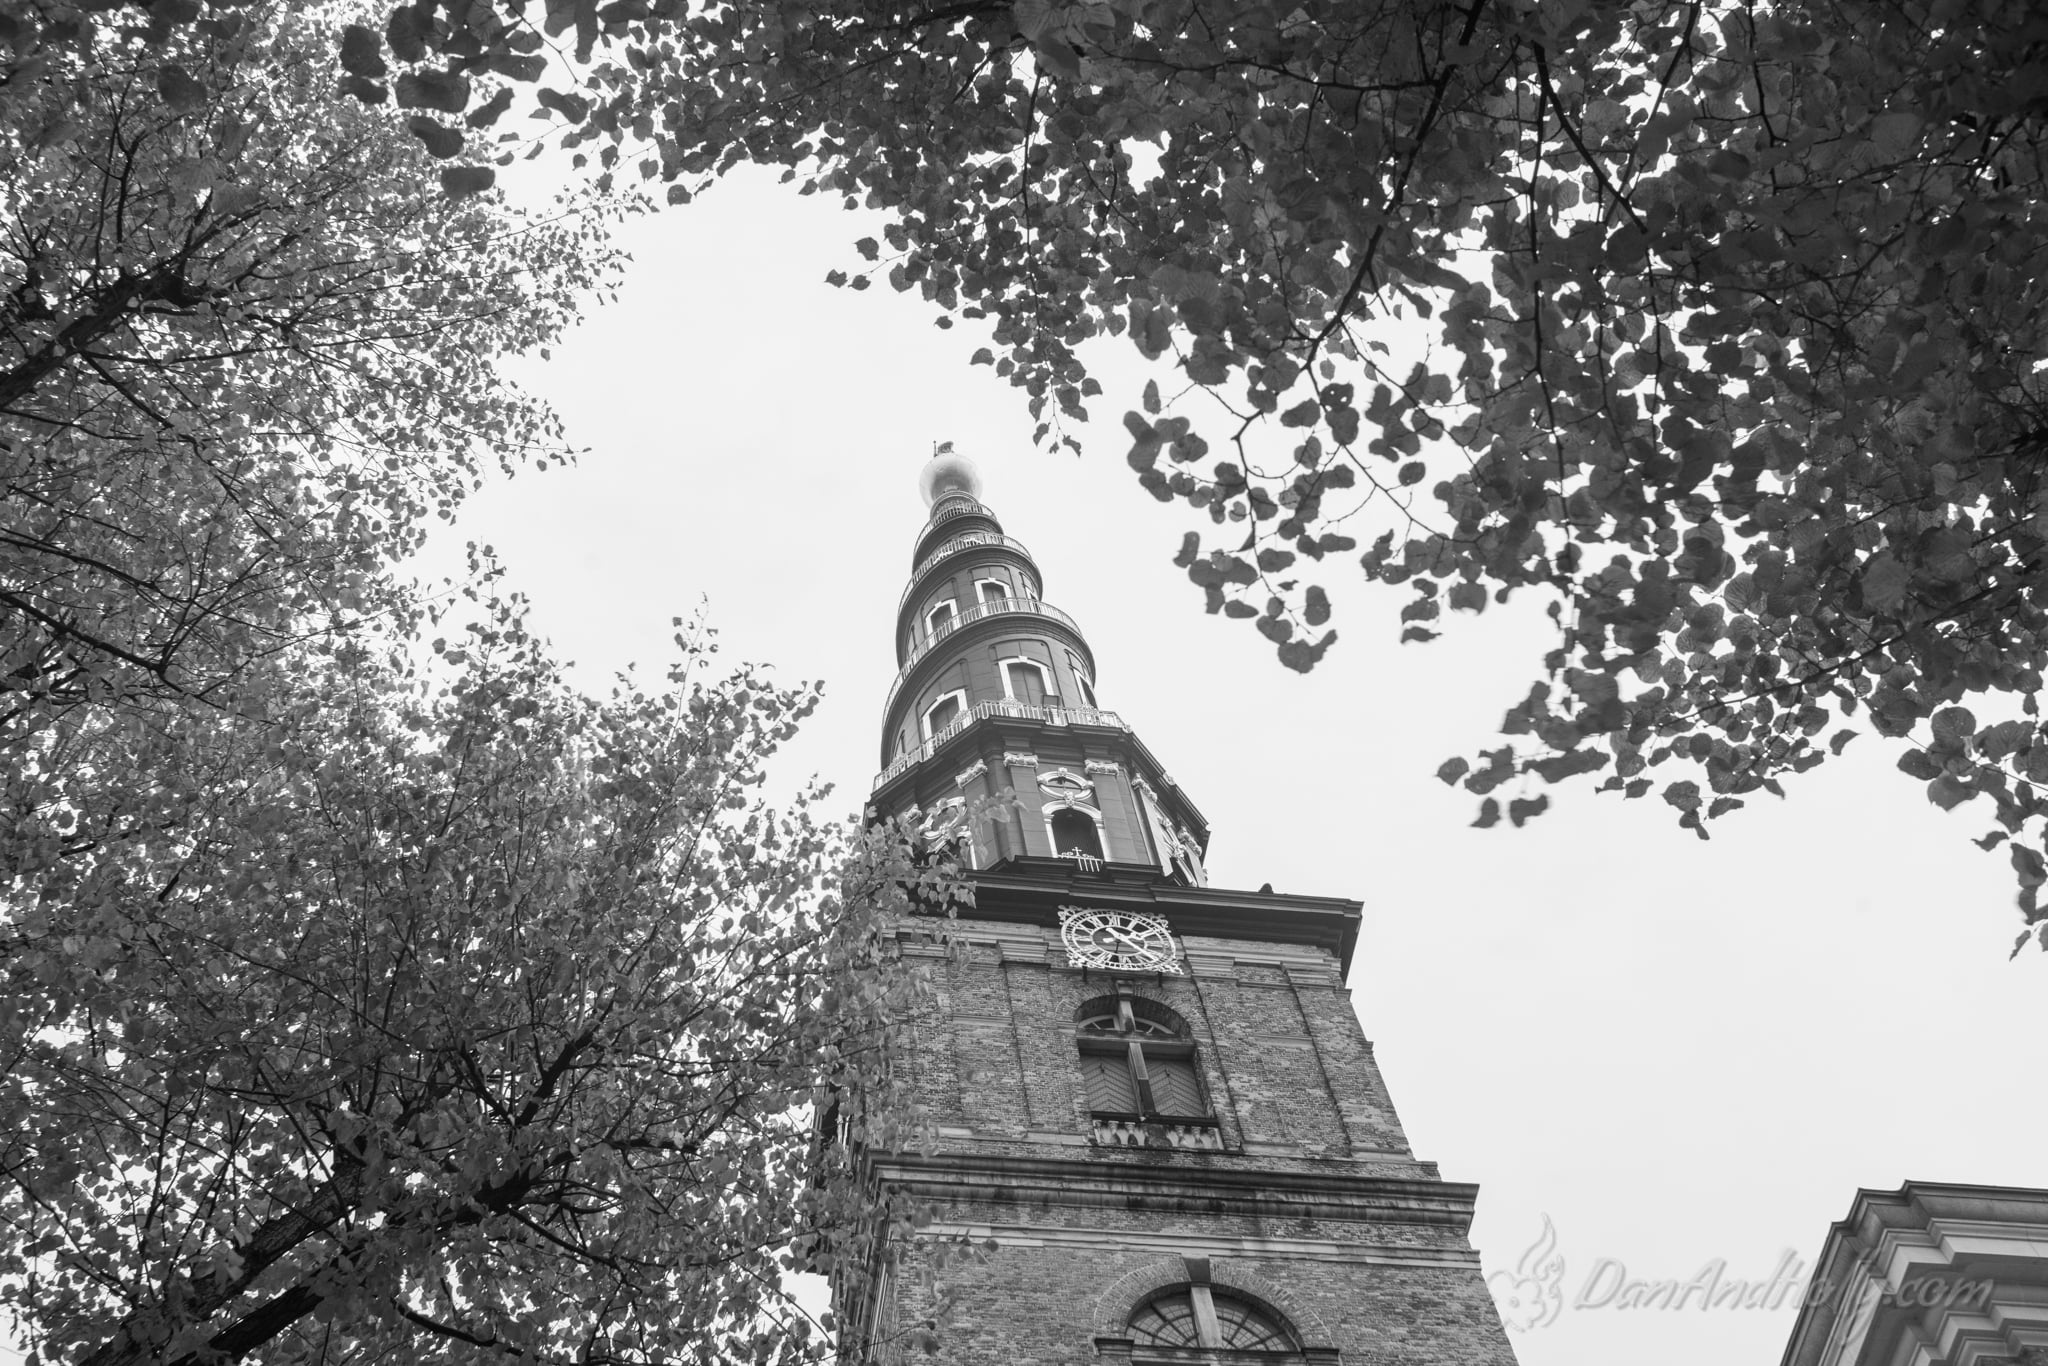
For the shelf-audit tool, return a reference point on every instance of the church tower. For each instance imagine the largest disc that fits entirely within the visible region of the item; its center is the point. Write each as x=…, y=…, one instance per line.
x=1160, y=1135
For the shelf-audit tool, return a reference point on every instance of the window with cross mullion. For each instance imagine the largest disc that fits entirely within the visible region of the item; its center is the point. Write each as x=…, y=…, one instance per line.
x=1137, y=1068
x=1194, y=1323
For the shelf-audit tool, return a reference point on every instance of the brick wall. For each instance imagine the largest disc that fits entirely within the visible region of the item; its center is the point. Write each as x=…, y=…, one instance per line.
x=1018, y=1305
x=1042, y=1242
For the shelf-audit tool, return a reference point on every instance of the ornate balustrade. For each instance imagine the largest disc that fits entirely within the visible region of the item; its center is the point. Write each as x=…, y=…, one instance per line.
x=980, y=611
x=981, y=711
x=954, y=543
x=1138, y=1133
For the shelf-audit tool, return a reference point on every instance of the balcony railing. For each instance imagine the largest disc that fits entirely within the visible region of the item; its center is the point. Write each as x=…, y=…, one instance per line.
x=980, y=611
x=955, y=505
x=953, y=543
x=1137, y=1133
x=981, y=711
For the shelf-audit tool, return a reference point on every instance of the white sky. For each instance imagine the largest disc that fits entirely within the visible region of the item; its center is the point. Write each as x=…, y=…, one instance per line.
x=1677, y=1051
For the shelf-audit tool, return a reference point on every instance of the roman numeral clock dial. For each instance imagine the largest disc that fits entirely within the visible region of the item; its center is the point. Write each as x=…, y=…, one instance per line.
x=1118, y=941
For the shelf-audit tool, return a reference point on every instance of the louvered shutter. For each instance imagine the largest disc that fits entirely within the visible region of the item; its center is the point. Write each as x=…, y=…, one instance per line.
x=1108, y=1078
x=1174, y=1090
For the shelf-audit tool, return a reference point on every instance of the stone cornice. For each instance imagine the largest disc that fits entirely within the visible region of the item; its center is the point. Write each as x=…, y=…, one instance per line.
x=993, y=736
x=1031, y=891
x=1181, y=1187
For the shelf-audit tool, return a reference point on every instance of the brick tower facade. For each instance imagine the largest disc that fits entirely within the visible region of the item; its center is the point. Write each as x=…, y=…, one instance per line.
x=1161, y=1135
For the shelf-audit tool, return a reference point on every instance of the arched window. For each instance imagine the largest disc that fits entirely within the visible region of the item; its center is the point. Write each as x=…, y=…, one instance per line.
x=1198, y=1316
x=938, y=619
x=1074, y=833
x=1082, y=682
x=1138, y=1062
x=943, y=713
x=991, y=590
x=1024, y=680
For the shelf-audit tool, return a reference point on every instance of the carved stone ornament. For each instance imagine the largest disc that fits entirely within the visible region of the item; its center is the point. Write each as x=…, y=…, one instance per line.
x=1013, y=759
x=1104, y=766
x=1066, y=787
x=970, y=773
x=942, y=817
x=1118, y=941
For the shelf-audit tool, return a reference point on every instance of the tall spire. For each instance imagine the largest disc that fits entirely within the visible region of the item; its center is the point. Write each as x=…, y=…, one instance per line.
x=995, y=692
x=1148, y=1097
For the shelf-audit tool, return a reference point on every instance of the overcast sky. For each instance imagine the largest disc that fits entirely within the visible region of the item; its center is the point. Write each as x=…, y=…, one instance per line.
x=1676, y=1051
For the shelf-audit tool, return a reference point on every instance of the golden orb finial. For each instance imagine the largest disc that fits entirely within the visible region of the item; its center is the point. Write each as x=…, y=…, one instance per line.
x=946, y=472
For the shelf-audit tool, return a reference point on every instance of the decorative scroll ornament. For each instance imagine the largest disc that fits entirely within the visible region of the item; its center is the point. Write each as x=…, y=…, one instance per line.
x=1118, y=941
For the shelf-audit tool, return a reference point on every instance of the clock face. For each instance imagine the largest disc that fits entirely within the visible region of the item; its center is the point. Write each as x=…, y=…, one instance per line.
x=1119, y=941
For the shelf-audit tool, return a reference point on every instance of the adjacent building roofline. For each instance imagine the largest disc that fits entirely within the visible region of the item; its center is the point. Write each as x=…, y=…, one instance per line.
x=1934, y=1273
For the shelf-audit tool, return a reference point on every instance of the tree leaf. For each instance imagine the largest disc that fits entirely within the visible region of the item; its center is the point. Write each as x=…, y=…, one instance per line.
x=407, y=32
x=467, y=180
x=1920, y=764
x=180, y=90
x=362, y=51
x=441, y=140
x=1947, y=792
x=1884, y=583
x=491, y=110
x=443, y=91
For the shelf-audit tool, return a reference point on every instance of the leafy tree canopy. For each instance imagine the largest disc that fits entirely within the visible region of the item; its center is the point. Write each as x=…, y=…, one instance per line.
x=441, y=1015
x=248, y=352
x=1735, y=317
x=353, y=1007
